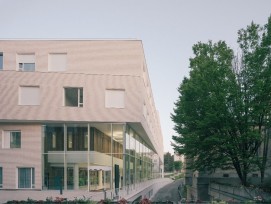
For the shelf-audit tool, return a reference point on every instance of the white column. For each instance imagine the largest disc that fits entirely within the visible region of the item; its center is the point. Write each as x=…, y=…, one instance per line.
x=76, y=177
x=100, y=177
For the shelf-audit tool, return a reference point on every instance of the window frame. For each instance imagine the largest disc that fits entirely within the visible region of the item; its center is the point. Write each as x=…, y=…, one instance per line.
x=1, y=177
x=7, y=136
x=80, y=97
x=2, y=61
x=22, y=64
x=24, y=67
x=32, y=177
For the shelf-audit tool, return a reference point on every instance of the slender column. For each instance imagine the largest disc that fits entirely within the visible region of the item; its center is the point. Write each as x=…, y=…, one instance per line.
x=42, y=155
x=104, y=184
x=123, y=155
x=100, y=178
x=65, y=159
x=111, y=179
x=76, y=177
x=88, y=152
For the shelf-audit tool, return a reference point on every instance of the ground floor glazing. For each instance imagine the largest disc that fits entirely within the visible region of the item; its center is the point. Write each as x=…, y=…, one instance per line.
x=94, y=156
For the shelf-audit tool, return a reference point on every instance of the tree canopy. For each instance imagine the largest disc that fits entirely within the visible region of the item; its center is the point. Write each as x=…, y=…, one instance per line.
x=222, y=115
x=168, y=162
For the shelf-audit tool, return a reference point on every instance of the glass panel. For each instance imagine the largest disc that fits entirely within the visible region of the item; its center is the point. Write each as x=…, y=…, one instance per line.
x=83, y=178
x=54, y=138
x=24, y=177
x=55, y=177
x=77, y=137
x=100, y=138
x=15, y=139
x=1, y=61
x=70, y=178
x=1, y=177
x=33, y=177
x=127, y=171
x=132, y=169
x=94, y=180
x=127, y=145
x=53, y=157
x=28, y=67
x=71, y=97
x=118, y=140
x=80, y=97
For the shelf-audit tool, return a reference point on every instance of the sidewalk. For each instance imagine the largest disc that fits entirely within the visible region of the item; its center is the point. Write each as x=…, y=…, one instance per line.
x=155, y=185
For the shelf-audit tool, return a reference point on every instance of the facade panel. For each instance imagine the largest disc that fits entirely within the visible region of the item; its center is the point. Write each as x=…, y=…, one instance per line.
x=86, y=115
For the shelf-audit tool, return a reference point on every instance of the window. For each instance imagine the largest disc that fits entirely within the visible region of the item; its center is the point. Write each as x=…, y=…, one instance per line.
x=114, y=98
x=29, y=95
x=1, y=60
x=1, y=177
x=77, y=139
x=57, y=62
x=73, y=97
x=54, y=140
x=226, y=175
x=26, y=62
x=26, y=178
x=11, y=139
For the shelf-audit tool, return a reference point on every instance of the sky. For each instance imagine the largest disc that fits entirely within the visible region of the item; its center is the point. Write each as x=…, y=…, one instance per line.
x=168, y=30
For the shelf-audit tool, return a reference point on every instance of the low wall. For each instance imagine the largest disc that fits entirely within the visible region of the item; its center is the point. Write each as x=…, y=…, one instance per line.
x=236, y=193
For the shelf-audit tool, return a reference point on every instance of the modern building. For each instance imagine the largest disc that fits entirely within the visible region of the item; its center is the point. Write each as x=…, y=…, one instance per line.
x=76, y=114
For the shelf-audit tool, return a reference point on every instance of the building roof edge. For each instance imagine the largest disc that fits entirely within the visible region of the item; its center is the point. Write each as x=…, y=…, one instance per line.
x=73, y=39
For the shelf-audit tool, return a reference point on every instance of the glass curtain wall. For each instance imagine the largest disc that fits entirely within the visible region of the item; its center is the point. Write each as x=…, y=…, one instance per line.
x=83, y=156
x=138, y=159
x=94, y=156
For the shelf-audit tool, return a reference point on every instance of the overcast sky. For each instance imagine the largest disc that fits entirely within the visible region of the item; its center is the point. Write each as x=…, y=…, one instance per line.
x=168, y=29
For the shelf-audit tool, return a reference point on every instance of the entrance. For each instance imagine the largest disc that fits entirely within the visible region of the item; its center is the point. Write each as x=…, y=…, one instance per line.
x=99, y=177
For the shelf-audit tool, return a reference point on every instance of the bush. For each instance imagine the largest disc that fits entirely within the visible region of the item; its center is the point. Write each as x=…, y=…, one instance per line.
x=57, y=200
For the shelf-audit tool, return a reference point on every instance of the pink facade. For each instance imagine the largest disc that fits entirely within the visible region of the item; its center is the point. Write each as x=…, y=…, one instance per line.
x=37, y=79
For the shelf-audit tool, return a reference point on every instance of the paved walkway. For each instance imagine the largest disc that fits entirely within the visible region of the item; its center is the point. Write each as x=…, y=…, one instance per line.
x=169, y=192
x=6, y=195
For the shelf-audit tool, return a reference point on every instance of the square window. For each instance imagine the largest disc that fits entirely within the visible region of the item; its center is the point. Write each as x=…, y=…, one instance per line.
x=26, y=178
x=114, y=98
x=73, y=97
x=26, y=62
x=29, y=95
x=15, y=139
x=57, y=61
x=11, y=139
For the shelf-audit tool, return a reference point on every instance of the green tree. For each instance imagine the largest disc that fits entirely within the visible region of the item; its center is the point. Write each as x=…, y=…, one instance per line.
x=223, y=108
x=255, y=71
x=178, y=165
x=168, y=162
